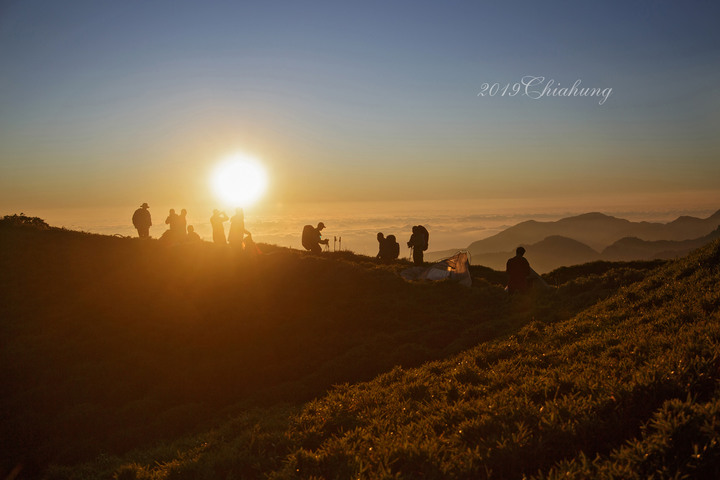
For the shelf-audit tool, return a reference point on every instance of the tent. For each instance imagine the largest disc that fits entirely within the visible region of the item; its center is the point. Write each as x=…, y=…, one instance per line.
x=456, y=268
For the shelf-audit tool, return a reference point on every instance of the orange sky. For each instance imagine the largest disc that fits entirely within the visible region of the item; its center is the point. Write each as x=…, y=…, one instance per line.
x=116, y=104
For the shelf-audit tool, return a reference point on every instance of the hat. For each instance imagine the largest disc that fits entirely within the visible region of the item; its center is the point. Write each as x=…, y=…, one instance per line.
x=321, y=225
x=144, y=205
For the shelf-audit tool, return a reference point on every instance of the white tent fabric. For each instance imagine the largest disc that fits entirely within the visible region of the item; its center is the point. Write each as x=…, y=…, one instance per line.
x=537, y=281
x=456, y=268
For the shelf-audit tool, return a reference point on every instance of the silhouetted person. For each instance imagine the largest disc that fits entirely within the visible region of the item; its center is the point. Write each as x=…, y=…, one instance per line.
x=182, y=224
x=237, y=229
x=393, y=248
x=251, y=249
x=518, y=270
x=176, y=222
x=142, y=221
x=216, y=221
x=381, y=245
x=389, y=248
x=172, y=219
x=192, y=235
x=312, y=238
x=419, y=243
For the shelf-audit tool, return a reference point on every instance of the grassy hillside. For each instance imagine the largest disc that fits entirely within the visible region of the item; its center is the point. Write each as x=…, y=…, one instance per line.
x=124, y=358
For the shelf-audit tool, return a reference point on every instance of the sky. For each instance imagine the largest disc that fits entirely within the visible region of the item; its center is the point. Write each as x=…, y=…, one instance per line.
x=113, y=103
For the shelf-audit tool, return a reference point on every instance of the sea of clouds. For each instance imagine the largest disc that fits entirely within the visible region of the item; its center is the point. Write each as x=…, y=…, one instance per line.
x=351, y=226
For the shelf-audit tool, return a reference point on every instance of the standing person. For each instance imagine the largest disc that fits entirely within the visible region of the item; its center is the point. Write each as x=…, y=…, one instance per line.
x=216, y=221
x=142, y=221
x=182, y=225
x=237, y=229
x=172, y=235
x=381, y=246
x=419, y=243
x=312, y=238
x=518, y=270
x=172, y=220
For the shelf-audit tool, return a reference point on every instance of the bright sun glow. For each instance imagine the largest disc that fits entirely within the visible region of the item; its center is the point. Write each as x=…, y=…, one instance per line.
x=239, y=180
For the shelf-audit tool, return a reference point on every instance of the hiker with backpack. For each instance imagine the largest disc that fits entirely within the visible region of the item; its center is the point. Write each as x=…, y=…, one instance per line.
x=389, y=248
x=312, y=238
x=418, y=243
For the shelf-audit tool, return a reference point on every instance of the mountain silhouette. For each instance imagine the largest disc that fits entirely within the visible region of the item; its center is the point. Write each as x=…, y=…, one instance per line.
x=596, y=230
x=544, y=256
x=557, y=251
x=632, y=248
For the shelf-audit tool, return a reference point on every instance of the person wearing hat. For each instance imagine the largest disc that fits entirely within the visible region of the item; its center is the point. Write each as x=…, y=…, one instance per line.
x=312, y=238
x=142, y=221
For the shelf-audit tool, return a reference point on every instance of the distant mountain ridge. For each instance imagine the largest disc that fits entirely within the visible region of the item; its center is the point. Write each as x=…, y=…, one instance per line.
x=596, y=230
x=544, y=256
x=592, y=236
x=556, y=251
x=631, y=248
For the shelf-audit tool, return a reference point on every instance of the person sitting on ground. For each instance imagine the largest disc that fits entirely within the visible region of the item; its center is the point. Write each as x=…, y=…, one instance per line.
x=192, y=235
x=312, y=238
x=142, y=221
x=389, y=248
x=518, y=270
x=251, y=248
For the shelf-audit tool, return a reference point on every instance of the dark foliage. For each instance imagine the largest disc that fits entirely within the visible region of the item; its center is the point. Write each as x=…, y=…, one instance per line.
x=23, y=221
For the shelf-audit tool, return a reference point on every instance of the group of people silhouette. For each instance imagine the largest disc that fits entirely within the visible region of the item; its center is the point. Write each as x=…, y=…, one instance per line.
x=180, y=232
x=517, y=268
x=237, y=234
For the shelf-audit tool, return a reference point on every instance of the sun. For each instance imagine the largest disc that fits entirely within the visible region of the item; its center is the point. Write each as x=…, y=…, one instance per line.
x=239, y=180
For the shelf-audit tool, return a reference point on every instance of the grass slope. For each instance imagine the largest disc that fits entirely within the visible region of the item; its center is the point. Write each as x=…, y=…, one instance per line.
x=206, y=364
x=626, y=389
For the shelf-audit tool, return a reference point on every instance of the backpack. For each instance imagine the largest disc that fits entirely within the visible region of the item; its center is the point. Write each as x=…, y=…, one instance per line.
x=309, y=237
x=393, y=247
x=424, y=238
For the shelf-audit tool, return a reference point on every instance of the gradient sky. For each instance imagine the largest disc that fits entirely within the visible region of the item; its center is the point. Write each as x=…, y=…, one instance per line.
x=118, y=102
